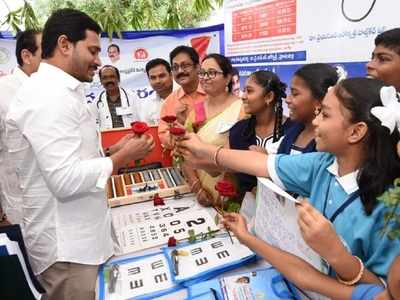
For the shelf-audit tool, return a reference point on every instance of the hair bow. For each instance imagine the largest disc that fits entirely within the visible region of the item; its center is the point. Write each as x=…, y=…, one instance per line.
x=389, y=113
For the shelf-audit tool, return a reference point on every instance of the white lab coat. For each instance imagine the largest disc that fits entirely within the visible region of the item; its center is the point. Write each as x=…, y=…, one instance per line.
x=127, y=109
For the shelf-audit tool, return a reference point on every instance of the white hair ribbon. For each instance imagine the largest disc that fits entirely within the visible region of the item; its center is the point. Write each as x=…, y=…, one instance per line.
x=389, y=113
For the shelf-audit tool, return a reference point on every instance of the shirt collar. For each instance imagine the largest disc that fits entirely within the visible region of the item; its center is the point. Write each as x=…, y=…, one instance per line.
x=181, y=93
x=348, y=182
x=21, y=75
x=61, y=76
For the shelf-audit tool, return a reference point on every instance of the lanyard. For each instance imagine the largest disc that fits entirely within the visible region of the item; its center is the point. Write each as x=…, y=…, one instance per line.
x=353, y=196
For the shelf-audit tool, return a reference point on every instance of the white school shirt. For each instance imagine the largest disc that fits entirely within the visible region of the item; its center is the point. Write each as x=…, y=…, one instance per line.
x=63, y=175
x=11, y=194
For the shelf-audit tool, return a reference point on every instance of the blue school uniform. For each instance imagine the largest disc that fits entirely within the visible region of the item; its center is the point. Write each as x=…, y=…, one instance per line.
x=366, y=291
x=287, y=145
x=315, y=176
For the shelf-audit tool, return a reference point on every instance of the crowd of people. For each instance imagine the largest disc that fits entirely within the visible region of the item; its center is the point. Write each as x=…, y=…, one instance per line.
x=337, y=150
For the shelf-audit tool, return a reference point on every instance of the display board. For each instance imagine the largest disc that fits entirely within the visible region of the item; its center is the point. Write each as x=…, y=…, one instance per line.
x=282, y=35
x=136, y=49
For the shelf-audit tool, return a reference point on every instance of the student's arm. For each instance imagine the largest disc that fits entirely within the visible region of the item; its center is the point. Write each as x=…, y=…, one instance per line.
x=295, y=269
x=321, y=236
x=202, y=155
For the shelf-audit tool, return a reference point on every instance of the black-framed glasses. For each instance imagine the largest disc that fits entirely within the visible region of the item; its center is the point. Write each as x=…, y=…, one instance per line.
x=210, y=73
x=185, y=67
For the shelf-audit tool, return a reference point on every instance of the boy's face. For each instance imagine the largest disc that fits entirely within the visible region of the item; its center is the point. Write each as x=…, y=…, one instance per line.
x=385, y=65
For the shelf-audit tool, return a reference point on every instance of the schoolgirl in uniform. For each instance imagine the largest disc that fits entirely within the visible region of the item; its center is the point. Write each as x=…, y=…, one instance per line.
x=262, y=100
x=355, y=132
x=307, y=89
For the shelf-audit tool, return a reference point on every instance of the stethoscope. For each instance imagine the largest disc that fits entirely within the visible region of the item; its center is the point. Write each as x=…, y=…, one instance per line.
x=100, y=101
x=358, y=19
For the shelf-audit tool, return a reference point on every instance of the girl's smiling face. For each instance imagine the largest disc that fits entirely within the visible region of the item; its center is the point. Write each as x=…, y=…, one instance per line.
x=332, y=125
x=301, y=103
x=254, y=97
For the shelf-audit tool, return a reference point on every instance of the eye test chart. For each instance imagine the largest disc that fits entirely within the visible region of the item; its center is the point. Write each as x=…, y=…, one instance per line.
x=149, y=226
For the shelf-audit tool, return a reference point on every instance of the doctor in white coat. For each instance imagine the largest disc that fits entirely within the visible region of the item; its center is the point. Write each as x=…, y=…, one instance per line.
x=116, y=107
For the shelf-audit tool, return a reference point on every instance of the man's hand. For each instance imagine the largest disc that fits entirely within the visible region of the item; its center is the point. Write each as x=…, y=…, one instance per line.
x=134, y=149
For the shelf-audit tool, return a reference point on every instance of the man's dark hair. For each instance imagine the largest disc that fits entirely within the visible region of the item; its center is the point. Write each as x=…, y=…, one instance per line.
x=26, y=40
x=156, y=62
x=70, y=22
x=389, y=39
x=194, y=56
x=113, y=45
x=112, y=67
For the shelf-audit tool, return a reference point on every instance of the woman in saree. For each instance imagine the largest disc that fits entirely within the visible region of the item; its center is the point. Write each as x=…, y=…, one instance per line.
x=211, y=120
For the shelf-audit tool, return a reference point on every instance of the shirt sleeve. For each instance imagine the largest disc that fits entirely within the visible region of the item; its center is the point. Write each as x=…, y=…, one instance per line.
x=163, y=133
x=294, y=173
x=61, y=143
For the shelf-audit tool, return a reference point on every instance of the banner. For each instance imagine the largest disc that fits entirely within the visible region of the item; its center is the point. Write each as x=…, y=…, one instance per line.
x=282, y=35
x=136, y=49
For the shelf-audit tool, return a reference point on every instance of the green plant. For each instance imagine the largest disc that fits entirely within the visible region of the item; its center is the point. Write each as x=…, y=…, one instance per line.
x=391, y=198
x=115, y=16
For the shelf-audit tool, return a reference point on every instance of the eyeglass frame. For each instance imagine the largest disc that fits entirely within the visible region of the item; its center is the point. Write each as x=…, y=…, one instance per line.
x=184, y=67
x=202, y=73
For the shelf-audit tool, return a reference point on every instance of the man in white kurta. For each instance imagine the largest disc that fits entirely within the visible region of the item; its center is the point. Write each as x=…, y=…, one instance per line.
x=28, y=53
x=67, y=224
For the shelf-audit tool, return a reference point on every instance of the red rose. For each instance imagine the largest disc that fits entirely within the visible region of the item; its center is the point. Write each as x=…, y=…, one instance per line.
x=172, y=242
x=139, y=127
x=177, y=131
x=225, y=188
x=169, y=119
x=157, y=200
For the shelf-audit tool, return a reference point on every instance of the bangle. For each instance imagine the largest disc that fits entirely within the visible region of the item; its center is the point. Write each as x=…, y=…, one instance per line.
x=216, y=155
x=357, y=278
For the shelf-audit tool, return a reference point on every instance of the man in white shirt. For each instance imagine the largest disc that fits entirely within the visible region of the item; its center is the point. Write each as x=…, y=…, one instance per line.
x=160, y=78
x=28, y=53
x=115, y=106
x=66, y=218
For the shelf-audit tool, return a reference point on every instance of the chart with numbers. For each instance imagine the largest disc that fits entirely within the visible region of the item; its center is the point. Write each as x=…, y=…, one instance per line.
x=139, y=277
x=153, y=233
x=142, y=212
x=207, y=256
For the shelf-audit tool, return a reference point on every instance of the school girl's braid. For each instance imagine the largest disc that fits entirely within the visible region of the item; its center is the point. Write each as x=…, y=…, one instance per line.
x=278, y=126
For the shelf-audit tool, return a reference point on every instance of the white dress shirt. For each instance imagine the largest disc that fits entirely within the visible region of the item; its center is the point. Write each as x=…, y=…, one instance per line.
x=11, y=194
x=149, y=109
x=65, y=213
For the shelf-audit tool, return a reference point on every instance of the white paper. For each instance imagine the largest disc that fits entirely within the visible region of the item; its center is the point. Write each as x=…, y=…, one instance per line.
x=276, y=223
x=157, y=232
x=248, y=207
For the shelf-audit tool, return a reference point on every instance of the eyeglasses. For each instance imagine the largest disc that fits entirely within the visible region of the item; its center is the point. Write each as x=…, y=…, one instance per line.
x=185, y=67
x=210, y=73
